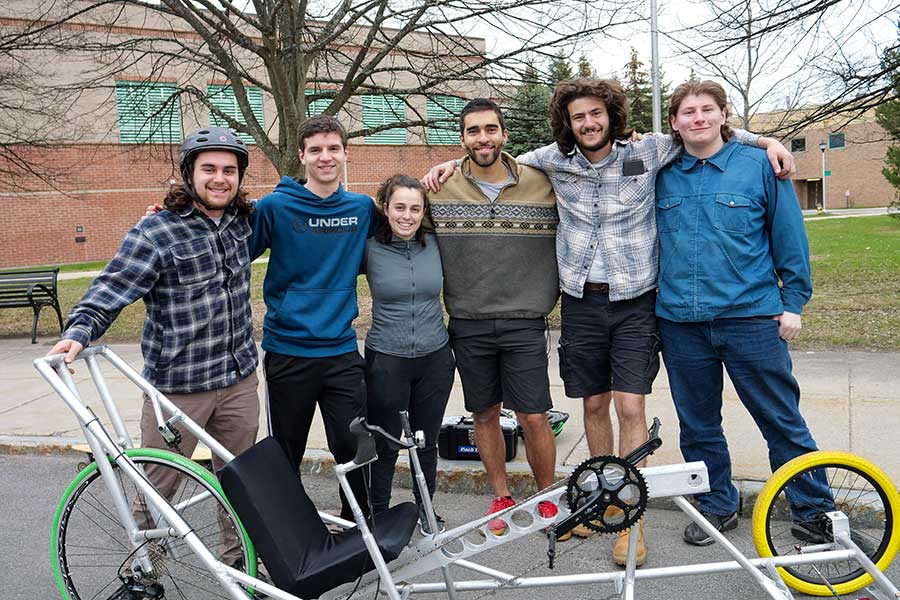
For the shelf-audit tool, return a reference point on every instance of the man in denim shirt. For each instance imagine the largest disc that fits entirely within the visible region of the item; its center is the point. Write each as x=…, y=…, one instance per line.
x=734, y=277
x=190, y=264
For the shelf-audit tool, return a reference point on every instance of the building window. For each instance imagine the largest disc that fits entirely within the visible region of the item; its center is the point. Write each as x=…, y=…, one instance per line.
x=222, y=97
x=316, y=107
x=384, y=110
x=798, y=145
x=837, y=141
x=148, y=112
x=447, y=109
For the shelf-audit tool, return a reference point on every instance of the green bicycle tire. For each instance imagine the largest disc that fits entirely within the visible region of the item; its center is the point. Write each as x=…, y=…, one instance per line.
x=160, y=456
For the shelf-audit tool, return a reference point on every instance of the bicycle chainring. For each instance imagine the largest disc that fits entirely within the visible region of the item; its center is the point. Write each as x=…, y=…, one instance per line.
x=618, y=488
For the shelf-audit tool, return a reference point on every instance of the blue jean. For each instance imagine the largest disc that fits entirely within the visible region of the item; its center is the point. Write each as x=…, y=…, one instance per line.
x=759, y=366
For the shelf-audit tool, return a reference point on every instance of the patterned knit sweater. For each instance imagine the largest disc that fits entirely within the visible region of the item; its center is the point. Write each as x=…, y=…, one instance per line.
x=499, y=258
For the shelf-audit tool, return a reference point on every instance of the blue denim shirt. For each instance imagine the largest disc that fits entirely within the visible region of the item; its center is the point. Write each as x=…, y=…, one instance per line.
x=729, y=233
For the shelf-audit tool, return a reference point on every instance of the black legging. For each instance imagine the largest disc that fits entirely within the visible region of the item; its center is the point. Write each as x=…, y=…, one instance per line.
x=419, y=385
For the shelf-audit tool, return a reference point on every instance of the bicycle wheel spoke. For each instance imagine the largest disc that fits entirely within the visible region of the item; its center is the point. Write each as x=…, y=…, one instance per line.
x=95, y=552
x=855, y=492
x=99, y=593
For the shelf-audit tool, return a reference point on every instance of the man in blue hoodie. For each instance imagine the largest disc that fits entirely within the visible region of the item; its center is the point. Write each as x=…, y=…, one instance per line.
x=316, y=232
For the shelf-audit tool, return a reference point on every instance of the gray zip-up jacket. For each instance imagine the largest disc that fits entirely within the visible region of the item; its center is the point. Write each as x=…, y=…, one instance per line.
x=405, y=279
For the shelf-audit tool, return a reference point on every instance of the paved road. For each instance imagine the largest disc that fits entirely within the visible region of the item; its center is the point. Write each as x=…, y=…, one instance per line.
x=31, y=484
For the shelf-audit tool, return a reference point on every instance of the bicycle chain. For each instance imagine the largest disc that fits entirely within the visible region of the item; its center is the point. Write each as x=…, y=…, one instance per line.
x=590, y=478
x=570, y=547
x=576, y=495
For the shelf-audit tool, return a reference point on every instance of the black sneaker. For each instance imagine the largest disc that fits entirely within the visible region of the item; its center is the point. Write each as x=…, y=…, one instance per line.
x=423, y=522
x=818, y=531
x=694, y=535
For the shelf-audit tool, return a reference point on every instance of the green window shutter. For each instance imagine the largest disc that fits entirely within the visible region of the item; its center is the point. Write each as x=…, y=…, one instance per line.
x=148, y=112
x=446, y=108
x=384, y=110
x=223, y=98
x=316, y=107
x=837, y=141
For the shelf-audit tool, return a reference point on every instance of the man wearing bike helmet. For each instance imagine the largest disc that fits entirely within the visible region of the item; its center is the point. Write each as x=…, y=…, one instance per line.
x=190, y=264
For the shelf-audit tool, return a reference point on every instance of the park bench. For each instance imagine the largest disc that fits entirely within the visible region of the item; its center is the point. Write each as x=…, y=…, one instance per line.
x=35, y=288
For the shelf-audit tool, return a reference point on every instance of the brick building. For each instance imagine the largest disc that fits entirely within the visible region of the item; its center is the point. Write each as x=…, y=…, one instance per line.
x=129, y=128
x=854, y=157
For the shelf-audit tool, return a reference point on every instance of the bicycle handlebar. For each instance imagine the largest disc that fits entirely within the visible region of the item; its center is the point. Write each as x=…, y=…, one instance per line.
x=365, y=445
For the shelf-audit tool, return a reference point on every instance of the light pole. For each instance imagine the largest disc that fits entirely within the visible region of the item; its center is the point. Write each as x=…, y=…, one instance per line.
x=654, y=69
x=822, y=147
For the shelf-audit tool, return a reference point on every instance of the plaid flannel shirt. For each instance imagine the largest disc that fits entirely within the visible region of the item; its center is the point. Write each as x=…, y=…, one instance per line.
x=602, y=209
x=194, y=279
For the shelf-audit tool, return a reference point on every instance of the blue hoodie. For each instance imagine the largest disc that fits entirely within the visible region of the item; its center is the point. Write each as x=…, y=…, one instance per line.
x=316, y=248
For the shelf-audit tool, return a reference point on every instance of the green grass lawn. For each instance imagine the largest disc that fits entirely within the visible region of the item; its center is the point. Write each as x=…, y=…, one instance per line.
x=855, y=305
x=856, y=279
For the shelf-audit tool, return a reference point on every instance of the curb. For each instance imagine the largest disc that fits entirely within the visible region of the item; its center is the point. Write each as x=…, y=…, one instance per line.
x=454, y=476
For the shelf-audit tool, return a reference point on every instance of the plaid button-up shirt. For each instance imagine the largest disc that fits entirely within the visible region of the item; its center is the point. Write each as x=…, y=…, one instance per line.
x=194, y=279
x=603, y=209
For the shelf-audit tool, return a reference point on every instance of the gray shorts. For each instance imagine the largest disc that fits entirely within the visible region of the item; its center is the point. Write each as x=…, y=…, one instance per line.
x=502, y=361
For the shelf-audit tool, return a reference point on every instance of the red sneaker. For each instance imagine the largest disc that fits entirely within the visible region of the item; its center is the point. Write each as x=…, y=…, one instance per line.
x=499, y=526
x=547, y=509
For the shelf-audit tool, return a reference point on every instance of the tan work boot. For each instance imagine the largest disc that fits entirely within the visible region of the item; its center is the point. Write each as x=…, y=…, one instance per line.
x=620, y=549
x=583, y=531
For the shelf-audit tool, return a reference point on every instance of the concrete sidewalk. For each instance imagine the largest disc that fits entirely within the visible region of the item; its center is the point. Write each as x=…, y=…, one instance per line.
x=851, y=401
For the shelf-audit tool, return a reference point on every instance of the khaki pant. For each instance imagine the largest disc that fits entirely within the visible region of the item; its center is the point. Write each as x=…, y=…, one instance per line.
x=231, y=416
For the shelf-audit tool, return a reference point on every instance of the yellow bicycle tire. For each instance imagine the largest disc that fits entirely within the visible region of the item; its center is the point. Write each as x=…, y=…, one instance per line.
x=823, y=459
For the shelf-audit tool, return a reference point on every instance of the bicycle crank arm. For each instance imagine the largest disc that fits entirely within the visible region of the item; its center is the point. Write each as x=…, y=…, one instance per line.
x=648, y=447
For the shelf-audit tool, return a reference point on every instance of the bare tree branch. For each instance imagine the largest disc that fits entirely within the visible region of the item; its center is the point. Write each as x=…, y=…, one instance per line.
x=301, y=51
x=805, y=61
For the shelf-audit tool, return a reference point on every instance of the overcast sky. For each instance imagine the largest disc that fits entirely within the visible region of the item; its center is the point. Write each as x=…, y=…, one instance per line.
x=855, y=22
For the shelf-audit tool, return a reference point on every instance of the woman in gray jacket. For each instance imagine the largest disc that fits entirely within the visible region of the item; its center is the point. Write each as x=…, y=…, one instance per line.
x=409, y=364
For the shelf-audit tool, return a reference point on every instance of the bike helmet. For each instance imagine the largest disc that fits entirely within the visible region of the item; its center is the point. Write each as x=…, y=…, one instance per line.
x=212, y=138
x=556, y=418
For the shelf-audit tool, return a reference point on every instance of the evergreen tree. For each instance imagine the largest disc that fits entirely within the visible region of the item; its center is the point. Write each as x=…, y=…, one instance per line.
x=639, y=91
x=888, y=116
x=560, y=70
x=527, y=118
x=584, y=67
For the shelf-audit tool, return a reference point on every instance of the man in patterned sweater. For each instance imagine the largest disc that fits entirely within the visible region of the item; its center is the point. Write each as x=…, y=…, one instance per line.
x=496, y=225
